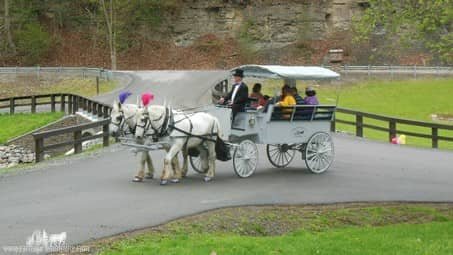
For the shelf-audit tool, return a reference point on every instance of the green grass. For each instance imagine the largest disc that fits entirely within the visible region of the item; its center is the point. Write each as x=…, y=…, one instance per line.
x=409, y=99
x=402, y=229
x=17, y=124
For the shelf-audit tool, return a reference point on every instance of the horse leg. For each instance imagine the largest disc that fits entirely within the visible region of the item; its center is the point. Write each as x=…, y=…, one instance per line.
x=149, y=162
x=141, y=172
x=185, y=164
x=176, y=169
x=167, y=171
x=211, y=162
x=203, y=158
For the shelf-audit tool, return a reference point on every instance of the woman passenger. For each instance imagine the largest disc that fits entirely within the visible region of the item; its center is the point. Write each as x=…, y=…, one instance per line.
x=261, y=101
x=286, y=100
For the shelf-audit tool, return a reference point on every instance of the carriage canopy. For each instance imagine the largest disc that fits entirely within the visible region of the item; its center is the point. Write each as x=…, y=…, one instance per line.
x=288, y=72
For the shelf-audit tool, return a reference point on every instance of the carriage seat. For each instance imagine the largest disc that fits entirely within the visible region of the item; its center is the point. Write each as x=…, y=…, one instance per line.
x=313, y=112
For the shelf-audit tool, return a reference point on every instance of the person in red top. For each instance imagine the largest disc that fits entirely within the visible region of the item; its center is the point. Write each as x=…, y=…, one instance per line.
x=260, y=99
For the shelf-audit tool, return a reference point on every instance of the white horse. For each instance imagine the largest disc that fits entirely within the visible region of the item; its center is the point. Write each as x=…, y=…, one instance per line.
x=181, y=131
x=123, y=122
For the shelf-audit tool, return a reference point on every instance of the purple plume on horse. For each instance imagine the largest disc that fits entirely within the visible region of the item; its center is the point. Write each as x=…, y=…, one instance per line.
x=123, y=96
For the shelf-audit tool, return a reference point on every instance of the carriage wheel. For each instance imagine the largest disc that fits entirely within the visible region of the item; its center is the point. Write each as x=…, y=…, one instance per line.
x=319, y=152
x=245, y=158
x=280, y=155
x=195, y=162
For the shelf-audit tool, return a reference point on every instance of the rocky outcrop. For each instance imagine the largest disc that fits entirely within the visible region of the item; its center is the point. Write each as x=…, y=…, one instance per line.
x=267, y=24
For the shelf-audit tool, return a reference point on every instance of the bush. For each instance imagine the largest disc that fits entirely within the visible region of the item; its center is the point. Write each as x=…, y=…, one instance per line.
x=32, y=43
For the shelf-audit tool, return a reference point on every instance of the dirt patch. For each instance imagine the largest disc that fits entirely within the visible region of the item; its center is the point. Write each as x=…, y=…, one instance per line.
x=442, y=117
x=278, y=220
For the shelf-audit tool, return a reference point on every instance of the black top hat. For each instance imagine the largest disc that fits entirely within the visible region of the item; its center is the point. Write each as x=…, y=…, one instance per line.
x=239, y=72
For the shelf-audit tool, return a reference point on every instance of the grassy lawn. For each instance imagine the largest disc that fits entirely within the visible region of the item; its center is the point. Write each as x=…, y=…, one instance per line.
x=364, y=229
x=18, y=124
x=410, y=99
x=80, y=86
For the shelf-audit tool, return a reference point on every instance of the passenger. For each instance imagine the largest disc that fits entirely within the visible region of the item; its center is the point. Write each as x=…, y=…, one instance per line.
x=299, y=99
x=287, y=100
x=310, y=98
x=260, y=100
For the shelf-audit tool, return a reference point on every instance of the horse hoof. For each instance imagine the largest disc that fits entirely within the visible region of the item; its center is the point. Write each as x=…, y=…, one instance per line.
x=174, y=180
x=163, y=182
x=137, y=179
x=207, y=179
x=149, y=176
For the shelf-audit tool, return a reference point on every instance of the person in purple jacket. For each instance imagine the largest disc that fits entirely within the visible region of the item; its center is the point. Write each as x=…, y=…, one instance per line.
x=310, y=98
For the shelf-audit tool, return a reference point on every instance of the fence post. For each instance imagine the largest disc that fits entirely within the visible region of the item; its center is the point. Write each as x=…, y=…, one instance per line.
x=75, y=101
x=106, y=112
x=332, y=125
x=359, y=125
x=70, y=104
x=11, y=105
x=106, y=135
x=33, y=104
x=100, y=110
x=392, y=129
x=435, y=138
x=39, y=144
x=52, y=103
x=62, y=103
x=97, y=85
x=415, y=71
x=77, y=142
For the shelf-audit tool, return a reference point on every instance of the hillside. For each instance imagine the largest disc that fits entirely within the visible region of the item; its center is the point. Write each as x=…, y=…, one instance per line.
x=191, y=34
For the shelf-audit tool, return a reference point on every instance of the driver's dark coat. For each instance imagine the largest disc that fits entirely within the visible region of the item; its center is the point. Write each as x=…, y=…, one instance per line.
x=241, y=98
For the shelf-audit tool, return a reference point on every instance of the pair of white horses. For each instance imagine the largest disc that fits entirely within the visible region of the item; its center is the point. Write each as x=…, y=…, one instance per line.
x=178, y=130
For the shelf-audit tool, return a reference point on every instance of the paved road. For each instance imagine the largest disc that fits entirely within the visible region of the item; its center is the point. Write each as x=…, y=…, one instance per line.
x=93, y=197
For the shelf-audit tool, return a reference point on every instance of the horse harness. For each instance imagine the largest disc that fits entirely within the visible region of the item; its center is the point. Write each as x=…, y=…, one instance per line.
x=169, y=124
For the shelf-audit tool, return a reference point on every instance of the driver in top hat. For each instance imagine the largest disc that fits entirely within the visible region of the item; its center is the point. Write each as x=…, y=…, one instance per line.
x=239, y=94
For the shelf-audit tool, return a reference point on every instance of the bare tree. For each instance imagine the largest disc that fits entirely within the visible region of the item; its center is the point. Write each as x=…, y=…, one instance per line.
x=111, y=32
x=7, y=18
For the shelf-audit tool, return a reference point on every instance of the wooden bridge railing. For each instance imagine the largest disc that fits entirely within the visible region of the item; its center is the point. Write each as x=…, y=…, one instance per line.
x=77, y=140
x=392, y=126
x=67, y=102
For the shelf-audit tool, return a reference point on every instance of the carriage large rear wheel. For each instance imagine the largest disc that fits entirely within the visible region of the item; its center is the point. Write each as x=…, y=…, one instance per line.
x=195, y=162
x=319, y=152
x=245, y=158
x=280, y=155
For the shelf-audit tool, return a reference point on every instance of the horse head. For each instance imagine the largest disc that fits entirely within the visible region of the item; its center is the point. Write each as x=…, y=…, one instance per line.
x=150, y=121
x=117, y=118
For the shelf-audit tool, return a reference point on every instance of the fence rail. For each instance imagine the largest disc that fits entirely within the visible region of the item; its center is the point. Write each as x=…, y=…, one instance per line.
x=67, y=102
x=76, y=131
x=392, y=124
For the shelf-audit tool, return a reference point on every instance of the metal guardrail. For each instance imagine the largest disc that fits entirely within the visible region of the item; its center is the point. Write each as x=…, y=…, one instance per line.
x=83, y=71
x=394, y=70
x=392, y=124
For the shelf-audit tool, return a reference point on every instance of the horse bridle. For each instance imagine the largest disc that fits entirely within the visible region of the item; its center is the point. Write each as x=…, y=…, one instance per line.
x=157, y=131
x=122, y=121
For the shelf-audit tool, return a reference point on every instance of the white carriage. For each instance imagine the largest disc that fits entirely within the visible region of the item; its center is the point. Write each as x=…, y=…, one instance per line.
x=306, y=130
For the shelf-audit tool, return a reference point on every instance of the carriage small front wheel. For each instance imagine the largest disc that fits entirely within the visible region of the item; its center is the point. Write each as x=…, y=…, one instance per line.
x=245, y=158
x=280, y=155
x=319, y=152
